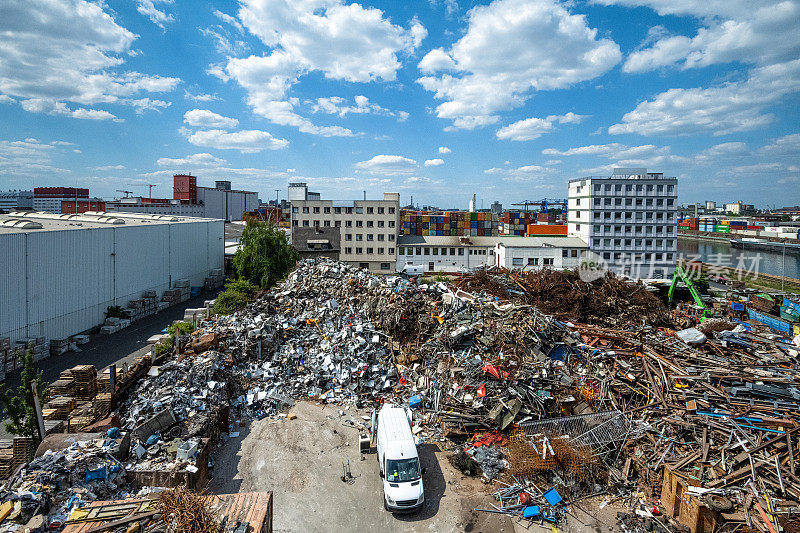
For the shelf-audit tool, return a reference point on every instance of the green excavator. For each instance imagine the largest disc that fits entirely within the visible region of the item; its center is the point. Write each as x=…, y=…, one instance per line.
x=681, y=275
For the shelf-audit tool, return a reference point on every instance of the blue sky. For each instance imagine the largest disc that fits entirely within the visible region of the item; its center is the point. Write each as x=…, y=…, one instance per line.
x=435, y=98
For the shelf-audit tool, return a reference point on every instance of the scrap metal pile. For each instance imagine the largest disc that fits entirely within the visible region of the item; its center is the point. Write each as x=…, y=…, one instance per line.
x=580, y=407
x=575, y=392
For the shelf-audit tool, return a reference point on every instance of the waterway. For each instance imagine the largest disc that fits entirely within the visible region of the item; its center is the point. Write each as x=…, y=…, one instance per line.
x=722, y=253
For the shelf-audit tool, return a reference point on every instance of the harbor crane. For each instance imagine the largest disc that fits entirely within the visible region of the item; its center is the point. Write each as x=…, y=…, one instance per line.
x=544, y=204
x=127, y=193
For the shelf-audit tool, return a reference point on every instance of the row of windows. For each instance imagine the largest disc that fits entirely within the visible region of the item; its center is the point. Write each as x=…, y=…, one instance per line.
x=346, y=210
x=631, y=229
x=647, y=256
x=629, y=215
x=533, y=261
x=636, y=242
x=347, y=223
x=630, y=201
x=370, y=236
x=359, y=250
x=427, y=250
x=629, y=187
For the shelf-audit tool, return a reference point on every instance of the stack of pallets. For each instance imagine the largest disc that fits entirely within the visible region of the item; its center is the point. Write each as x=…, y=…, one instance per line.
x=85, y=377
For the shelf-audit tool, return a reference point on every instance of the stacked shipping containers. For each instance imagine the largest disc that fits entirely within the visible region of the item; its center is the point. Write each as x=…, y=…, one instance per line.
x=550, y=230
x=516, y=223
x=448, y=223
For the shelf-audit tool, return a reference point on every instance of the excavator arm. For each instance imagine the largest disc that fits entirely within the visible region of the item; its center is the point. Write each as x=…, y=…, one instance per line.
x=681, y=275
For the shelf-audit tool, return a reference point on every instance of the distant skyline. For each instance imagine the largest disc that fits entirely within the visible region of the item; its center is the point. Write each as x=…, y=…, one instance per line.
x=437, y=99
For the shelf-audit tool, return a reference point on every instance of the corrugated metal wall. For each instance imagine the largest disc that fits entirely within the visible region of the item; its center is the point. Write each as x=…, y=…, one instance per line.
x=59, y=283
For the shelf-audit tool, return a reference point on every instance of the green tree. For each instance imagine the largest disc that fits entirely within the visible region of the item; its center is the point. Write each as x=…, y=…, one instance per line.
x=237, y=294
x=265, y=256
x=18, y=406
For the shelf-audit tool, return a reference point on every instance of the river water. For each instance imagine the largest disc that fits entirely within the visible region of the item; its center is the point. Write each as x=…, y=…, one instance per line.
x=723, y=253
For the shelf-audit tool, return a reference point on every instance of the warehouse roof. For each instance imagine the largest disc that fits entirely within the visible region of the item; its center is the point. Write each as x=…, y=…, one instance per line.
x=509, y=241
x=36, y=222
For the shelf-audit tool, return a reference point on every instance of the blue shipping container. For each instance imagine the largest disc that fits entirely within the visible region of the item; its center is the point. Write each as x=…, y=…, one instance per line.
x=770, y=321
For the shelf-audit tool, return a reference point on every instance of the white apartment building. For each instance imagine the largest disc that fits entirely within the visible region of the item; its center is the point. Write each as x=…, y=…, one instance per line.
x=368, y=228
x=456, y=254
x=628, y=219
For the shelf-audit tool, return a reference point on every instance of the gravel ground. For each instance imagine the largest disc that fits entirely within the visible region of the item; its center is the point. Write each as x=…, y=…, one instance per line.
x=300, y=461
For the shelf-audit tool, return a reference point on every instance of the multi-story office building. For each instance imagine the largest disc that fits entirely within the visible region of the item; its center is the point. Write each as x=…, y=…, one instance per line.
x=48, y=199
x=628, y=219
x=368, y=228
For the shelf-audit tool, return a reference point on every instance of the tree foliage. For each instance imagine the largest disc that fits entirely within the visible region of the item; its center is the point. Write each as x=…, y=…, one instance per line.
x=265, y=256
x=18, y=408
x=237, y=294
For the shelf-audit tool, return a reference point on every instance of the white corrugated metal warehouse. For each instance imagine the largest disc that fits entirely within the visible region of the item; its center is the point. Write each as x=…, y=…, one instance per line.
x=61, y=272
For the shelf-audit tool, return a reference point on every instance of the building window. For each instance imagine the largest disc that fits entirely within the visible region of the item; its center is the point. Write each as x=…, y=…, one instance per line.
x=380, y=223
x=402, y=251
x=577, y=227
x=316, y=223
x=391, y=223
x=363, y=265
x=380, y=250
x=596, y=242
x=435, y=250
x=380, y=210
x=419, y=250
x=370, y=210
x=516, y=261
x=327, y=223
x=295, y=210
x=370, y=224
x=370, y=237
x=316, y=210
x=358, y=250
x=533, y=261
x=547, y=261
x=359, y=237
x=337, y=223
x=359, y=210
x=294, y=222
x=606, y=255
x=391, y=251
x=327, y=210
x=444, y=251
x=565, y=253
x=305, y=210
x=427, y=251
x=391, y=210
x=369, y=250
x=391, y=236
x=348, y=210
x=578, y=201
x=348, y=236
x=337, y=210
x=359, y=223
x=574, y=253
x=380, y=236
x=460, y=251
x=306, y=223
x=452, y=251
x=384, y=266
x=348, y=250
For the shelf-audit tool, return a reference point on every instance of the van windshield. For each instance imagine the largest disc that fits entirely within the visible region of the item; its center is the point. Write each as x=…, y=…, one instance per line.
x=402, y=470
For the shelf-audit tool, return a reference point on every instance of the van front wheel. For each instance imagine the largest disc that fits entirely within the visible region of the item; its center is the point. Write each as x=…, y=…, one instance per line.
x=385, y=505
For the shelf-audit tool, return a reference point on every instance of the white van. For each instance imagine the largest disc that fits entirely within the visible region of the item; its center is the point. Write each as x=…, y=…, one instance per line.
x=399, y=462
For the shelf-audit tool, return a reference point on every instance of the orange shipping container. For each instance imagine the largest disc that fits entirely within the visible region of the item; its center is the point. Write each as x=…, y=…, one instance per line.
x=547, y=229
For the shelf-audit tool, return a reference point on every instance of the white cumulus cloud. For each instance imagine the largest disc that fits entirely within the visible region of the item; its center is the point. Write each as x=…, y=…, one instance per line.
x=336, y=105
x=201, y=160
x=346, y=42
x=444, y=150
x=511, y=49
x=246, y=141
x=434, y=162
x=60, y=51
x=387, y=164
x=208, y=119
x=533, y=128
